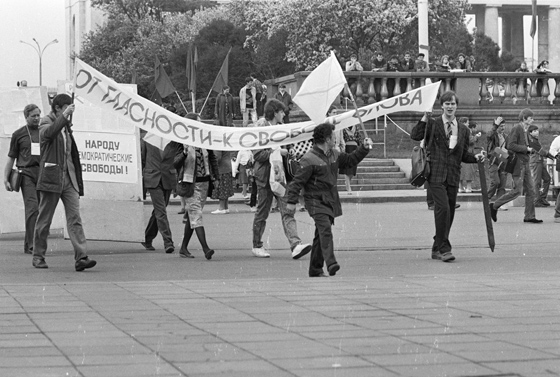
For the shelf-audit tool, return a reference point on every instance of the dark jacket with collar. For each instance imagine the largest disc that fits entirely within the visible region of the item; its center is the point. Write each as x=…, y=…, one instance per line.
x=445, y=163
x=53, y=153
x=517, y=143
x=318, y=177
x=157, y=165
x=493, y=140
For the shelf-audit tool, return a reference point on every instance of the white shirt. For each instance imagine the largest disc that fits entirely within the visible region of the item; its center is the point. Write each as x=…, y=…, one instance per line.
x=555, y=146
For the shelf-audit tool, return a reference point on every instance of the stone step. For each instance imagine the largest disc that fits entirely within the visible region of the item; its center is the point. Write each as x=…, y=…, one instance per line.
x=387, y=186
x=364, y=181
x=378, y=169
x=393, y=174
x=375, y=162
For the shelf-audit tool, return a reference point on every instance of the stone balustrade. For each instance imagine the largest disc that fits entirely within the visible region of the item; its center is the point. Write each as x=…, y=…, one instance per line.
x=490, y=90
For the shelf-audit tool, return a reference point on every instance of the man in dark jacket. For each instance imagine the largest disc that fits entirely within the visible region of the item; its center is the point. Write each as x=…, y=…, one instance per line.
x=286, y=99
x=447, y=150
x=517, y=142
x=60, y=177
x=159, y=178
x=223, y=110
x=317, y=177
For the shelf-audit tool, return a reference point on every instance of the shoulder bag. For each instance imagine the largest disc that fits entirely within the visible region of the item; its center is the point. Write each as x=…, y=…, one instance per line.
x=15, y=179
x=421, y=161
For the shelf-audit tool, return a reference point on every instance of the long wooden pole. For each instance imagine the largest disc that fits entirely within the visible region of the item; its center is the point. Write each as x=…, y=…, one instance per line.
x=357, y=112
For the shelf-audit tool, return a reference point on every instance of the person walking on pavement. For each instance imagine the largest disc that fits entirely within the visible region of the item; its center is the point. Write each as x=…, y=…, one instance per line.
x=317, y=177
x=25, y=152
x=60, y=178
x=196, y=167
x=555, y=151
x=448, y=149
x=518, y=143
x=159, y=178
x=537, y=164
x=496, y=171
x=273, y=114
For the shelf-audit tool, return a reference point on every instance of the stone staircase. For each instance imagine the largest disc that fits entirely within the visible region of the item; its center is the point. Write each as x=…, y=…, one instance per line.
x=376, y=174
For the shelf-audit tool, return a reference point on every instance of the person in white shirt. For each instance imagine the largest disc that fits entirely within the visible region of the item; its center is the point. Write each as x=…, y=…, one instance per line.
x=555, y=151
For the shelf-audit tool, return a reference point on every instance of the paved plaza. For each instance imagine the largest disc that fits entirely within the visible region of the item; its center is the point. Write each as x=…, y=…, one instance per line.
x=389, y=311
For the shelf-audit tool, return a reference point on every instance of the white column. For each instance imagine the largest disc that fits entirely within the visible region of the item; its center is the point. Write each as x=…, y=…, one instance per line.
x=491, y=22
x=423, y=37
x=553, y=33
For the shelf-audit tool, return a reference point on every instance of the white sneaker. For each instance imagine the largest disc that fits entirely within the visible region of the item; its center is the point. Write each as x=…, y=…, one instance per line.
x=253, y=209
x=300, y=250
x=219, y=212
x=260, y=252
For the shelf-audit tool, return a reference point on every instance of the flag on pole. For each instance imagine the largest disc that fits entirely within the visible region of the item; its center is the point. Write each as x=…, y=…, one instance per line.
x=320, y=89
x=533, y=18
x=222, y=78
x=163, y=83
x=192, y=62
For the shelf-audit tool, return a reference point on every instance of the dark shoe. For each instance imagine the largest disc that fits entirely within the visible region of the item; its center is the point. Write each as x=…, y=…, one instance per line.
x=457, y=206
x=169, y=250
x=148, y=246
x=39, y=263
x=208, y=254
x=84, y=263
x=436, y=255
x=534, y=221
x=431, y=208
x=493, y=212
x=182, y=211
x=333, y=268
x=545, y=203
x=540, y=204
x=185, y=254
x=28, y=251
x=447, y=257
x=274, y=210
x=321, y=275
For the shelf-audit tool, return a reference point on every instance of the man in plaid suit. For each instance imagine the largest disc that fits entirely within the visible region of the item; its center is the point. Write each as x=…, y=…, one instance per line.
x=447, y=150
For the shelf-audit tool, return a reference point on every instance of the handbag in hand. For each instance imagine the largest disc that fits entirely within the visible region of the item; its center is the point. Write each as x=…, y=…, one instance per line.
x=185, y=189
x=421, y=161
x=15, y=179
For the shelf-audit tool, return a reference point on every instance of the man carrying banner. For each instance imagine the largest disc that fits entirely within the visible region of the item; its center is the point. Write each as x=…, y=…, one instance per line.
x=317, y=177
x=60, y=177
x=273, y=114
x=448, y=149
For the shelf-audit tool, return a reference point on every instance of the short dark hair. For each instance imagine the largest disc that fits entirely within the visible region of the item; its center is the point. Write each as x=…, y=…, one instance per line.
x=322, y=132
x=422, y=54
x=524, y=114
x=225, y=87
x=28, y=109
x=171, y=108
x=464, y=120
x=272, y=107
x=253, y=75
x=448, y=96
x=248, y=79
x=60, y=100
x=532, y=128
x=282, y=86
x=353, y=56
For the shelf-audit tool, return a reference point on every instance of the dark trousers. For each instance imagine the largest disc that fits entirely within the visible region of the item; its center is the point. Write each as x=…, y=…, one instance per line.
x=322, y=251
x=542, y=179
x=254, y=189
x=445, y=198
x=429, y=197
x=47, y=206
x=498, y=179
x=158, y=220
x=31, y=207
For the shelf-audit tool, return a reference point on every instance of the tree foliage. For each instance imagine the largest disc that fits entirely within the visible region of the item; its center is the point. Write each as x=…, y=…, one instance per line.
x=136, y=10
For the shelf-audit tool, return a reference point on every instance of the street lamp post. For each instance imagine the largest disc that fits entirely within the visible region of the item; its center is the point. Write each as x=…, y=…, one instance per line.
x=40, y=53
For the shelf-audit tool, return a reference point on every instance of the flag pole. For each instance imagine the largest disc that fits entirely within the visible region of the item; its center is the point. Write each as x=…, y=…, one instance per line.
x=357, y=112
x=180, y=100
x=193, y=102
x=210, y=92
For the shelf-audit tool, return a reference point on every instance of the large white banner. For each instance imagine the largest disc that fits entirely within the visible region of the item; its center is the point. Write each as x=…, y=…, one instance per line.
x=107, y=94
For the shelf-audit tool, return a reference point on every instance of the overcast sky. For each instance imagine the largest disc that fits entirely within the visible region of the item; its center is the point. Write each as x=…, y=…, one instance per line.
x=24, y=20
